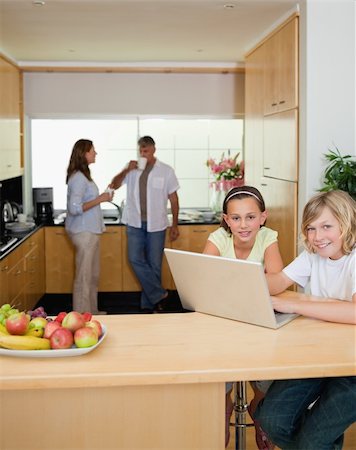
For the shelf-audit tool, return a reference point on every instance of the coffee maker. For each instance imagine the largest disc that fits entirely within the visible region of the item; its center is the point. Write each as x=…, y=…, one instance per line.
x=43, y=205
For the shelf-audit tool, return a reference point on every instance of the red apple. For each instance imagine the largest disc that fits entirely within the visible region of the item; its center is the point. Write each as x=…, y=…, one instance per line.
x=96, y=325
x=61, y=338
x=60, y=317
x=73, y=320
x=85, y=337
x=87, y=316
x=50, y=328
x=17, y=323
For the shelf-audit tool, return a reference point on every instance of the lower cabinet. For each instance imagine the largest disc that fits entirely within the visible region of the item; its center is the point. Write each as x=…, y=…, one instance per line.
x=60, y=261
x=22, y=273
x=116, y=274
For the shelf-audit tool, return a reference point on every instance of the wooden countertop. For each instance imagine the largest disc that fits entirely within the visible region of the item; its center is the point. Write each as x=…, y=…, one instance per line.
x=191, y=348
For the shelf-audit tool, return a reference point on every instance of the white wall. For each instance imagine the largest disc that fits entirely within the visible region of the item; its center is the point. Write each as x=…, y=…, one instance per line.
x=327, y=87
x=132, y=94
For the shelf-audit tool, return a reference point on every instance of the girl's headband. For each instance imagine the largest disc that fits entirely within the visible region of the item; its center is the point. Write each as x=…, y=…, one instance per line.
x=242, y=192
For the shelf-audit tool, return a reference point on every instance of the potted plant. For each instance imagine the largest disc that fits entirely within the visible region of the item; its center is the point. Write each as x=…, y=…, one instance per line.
x=340, y=173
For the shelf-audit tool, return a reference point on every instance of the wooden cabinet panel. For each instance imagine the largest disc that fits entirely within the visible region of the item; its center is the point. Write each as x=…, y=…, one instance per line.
x=281, y=69
x=193, y=237
x=59, y=261
x=280, y=145
x=111, y=260
x=281, y=203
x=34, y=268
x=254, y=106
x=10, y=120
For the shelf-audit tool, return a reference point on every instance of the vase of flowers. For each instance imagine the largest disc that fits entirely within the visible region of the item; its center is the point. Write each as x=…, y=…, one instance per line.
x=228, y=173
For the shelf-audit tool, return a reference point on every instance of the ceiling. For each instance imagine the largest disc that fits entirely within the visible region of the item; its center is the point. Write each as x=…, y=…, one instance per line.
x=135, y=31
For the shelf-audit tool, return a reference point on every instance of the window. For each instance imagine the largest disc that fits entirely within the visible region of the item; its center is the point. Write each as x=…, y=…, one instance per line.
x=183, y=143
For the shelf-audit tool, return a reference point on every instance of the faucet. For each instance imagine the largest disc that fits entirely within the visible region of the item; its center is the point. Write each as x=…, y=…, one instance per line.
x=119, y=211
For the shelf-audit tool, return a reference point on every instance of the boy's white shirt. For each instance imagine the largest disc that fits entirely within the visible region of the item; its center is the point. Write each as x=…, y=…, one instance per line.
x=327, y=278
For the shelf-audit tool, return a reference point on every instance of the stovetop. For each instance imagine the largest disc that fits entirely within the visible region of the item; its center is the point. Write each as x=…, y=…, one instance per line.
x=7, y=241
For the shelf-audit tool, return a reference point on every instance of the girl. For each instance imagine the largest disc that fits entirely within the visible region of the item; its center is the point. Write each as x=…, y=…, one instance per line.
x=84, y=225
x=329, y=264
x=242, y=235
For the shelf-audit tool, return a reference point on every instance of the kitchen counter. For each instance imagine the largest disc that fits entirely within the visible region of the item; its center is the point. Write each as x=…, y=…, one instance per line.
x=158, y=381
x=20, y=238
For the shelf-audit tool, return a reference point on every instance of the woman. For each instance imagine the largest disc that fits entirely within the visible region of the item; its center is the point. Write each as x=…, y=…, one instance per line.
x=84, y=225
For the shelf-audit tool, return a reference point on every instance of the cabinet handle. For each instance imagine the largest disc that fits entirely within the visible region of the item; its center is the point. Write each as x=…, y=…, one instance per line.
x=274, y=104
x=281, y=102
x=200, y=231
x=267, y=168
x=264, y=184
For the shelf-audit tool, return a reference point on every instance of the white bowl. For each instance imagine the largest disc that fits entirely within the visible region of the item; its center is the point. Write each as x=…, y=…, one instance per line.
x=208, y=215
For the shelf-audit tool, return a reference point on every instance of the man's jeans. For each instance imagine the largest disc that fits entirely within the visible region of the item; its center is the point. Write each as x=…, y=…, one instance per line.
x=145, y=252
x=285, y=417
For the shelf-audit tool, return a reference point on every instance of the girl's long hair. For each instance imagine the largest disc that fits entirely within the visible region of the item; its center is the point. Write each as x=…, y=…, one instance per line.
x=78, y=161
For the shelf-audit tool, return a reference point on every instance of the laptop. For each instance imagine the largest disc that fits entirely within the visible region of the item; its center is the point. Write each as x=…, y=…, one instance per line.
x=224, y=287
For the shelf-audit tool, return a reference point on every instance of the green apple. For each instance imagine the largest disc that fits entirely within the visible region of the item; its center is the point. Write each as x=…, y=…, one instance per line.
x=85, y=337
x=38, y=322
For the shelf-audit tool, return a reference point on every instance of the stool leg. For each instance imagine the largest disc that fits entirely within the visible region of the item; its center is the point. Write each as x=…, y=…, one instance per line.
x=240, y=408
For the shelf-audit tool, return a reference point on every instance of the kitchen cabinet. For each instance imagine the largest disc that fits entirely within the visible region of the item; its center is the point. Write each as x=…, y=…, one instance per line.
x=280, y=145
x=116, y=274
x=34, y=268
x=22, y=273
x=60, y=261
x=254, y=104
x=111, y=262
x=281, y=69
x=282, y=213
x=271, y=133
x=130, y=282
x=10, y=120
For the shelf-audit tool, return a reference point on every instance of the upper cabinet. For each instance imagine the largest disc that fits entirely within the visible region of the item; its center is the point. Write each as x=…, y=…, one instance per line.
x=10, y=120
x=281, y=69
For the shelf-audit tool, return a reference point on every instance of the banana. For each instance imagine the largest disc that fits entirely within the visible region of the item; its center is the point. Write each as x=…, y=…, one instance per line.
x=3, y=329
x=13, y=342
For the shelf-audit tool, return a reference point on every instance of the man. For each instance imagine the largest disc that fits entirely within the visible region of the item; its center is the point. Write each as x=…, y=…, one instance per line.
x=145, y=215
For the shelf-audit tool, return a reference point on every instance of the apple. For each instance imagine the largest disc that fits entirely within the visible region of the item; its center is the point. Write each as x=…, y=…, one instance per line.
x=60, y=317
x=96, y=325
x=50, y=328
x=85, y=337
x=73, y=320
x=17, y=323
x=87, y=316
x=61, y=338
x=38, y=322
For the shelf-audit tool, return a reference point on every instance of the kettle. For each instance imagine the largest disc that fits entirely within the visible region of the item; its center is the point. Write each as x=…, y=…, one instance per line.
x=7, y=213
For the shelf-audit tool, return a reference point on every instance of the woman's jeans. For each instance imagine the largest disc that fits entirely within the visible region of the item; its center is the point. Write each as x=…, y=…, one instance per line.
x=145, y=253
x=285, y=416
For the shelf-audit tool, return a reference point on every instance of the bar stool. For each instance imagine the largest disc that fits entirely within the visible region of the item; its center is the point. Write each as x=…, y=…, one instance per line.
x=240, y=410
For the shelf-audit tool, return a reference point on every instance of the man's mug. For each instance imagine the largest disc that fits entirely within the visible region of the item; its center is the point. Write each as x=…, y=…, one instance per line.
x=141, y=163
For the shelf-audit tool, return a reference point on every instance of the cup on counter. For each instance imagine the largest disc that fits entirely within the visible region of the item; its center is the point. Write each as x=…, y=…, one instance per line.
x=21, y=218
x=141, y=163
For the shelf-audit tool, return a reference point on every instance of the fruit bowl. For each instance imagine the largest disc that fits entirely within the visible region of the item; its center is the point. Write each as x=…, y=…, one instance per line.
x=60, y=353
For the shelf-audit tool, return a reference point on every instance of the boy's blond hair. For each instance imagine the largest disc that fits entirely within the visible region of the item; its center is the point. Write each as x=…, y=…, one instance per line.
x=343, y=208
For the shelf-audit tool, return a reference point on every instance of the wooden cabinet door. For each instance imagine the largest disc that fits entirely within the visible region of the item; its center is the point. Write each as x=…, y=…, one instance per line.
x=16, y=285
x=281, y=203
x=281, y=69
x=4, y=283
x=254, y=108
x=193, y=238
x=10, y=120
x=111, y=260
x=280, y=145
x=60, y=261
